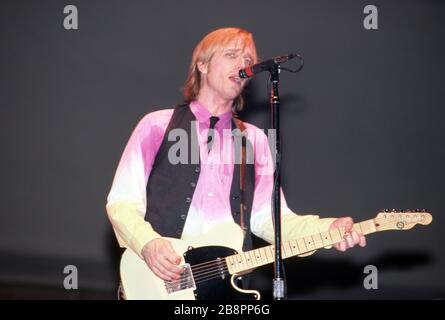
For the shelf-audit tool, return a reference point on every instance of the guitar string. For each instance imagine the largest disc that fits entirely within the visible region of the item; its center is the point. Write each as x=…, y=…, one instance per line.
x=205, y=264
x=214, y=272
x=202, y=276
x=208, y=274
x=376, y=220
x=222, y=261
x=200, y=266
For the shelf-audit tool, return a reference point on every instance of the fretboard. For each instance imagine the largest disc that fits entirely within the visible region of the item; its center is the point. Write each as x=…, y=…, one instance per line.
x=248, y=260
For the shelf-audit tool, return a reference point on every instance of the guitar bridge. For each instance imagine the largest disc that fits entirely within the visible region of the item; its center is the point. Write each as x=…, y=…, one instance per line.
x=186, y=282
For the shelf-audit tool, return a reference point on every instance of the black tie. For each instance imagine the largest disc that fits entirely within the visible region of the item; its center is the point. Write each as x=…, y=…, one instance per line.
x=213, y=121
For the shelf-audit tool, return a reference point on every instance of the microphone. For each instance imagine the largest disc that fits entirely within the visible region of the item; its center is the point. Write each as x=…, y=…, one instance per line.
x=265, y=65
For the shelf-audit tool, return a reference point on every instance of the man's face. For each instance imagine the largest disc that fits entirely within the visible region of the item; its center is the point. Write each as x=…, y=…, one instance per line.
x=220, y=77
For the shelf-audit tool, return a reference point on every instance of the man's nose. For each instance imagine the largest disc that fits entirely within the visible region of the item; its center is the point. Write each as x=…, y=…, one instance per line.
x=241, y=63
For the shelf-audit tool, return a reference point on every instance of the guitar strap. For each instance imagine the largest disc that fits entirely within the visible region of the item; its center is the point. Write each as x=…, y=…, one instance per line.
x=240, y=125
x=243, y=281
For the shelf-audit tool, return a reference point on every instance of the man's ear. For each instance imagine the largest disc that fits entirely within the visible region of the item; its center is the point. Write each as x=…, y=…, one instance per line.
x=202, y=67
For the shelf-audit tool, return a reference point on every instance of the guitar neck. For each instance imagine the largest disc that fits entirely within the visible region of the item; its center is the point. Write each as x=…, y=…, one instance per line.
x=248, y=260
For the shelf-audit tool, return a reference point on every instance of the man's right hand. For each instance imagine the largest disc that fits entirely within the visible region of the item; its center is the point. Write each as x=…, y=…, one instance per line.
x=162, y=259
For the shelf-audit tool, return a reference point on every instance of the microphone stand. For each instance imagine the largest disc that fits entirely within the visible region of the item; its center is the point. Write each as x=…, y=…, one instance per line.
x=274, y=67
x=279, y=281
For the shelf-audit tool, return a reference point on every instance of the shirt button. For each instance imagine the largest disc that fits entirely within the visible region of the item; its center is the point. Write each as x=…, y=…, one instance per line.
x=188, y=199
x=210, y=194
x=192, y=184
x=197, y=169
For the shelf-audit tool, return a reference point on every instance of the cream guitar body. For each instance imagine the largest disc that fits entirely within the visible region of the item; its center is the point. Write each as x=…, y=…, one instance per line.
x=205, y=271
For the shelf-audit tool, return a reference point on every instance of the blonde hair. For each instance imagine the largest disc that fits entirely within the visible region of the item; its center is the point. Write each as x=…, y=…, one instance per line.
x=204, y=51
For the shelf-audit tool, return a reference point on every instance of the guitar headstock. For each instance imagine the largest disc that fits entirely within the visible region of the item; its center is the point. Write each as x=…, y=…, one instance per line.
x=401, y=219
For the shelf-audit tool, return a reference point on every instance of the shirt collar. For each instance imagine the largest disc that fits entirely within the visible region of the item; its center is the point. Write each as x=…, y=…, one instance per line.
x=202, y=114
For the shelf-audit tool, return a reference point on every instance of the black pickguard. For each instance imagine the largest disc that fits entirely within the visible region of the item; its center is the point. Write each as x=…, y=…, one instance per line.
x=217, y=288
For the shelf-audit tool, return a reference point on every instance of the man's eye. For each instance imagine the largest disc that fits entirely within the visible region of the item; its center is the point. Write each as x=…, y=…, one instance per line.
x=230, y=55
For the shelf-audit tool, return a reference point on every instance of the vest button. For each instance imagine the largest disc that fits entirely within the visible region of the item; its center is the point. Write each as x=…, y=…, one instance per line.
x=188, y=199
x=235, y=197
x=178, y=232
x=197, y=169
x=182, y=216
x=192, y=184
x=236, y=213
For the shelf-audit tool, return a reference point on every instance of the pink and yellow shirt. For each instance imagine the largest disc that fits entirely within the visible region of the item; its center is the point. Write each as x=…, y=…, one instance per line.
x=126, y=202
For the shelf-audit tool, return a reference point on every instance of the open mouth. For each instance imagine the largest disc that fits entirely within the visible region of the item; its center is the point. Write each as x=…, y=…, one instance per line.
x=236, y=79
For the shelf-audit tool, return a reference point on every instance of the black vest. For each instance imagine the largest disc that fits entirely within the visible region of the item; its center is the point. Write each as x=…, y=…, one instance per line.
x=170, y=187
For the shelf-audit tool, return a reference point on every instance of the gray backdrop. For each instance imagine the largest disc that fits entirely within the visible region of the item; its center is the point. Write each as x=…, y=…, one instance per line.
x=361, y=125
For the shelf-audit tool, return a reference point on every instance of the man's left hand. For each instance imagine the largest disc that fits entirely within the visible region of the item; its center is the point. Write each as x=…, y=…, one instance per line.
x=351, y=238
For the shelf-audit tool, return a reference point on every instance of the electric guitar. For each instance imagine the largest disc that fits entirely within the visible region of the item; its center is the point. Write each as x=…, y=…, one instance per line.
x=212, y=262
